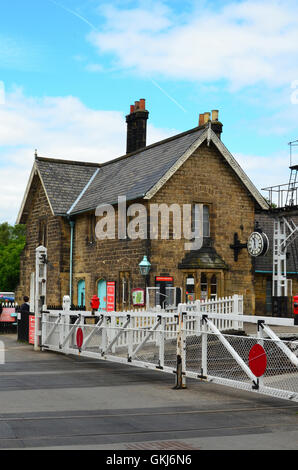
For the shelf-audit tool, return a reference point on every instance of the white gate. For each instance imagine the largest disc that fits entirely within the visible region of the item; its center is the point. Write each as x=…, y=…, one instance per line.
x=223, y=359
x=141, y=339
x=195, y=341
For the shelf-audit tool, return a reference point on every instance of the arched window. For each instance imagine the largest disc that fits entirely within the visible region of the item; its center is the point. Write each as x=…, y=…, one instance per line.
x=213, y=287
x=204, y=286
x=102, y=294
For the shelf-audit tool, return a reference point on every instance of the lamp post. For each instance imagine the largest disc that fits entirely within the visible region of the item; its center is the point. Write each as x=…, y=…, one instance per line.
x=145, y=267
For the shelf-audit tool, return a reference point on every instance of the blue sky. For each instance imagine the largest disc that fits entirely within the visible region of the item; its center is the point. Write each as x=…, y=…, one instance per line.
x=70, y=70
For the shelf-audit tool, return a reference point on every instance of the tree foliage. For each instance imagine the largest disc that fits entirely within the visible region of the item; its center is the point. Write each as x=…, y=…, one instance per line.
x=12, y=242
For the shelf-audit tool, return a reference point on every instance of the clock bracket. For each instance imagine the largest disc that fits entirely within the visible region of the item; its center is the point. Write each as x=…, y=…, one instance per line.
x=237, y=246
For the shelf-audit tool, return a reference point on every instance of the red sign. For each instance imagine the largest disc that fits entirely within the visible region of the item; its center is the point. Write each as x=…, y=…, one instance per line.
x=31, y=328
x=257, y=360
x=295, y=304
x=80, y=338
x=111, y=296
x=6, y=315
x=164, y=279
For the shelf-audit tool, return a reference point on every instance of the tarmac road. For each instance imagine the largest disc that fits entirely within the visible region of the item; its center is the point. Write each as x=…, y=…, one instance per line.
x=52, y=401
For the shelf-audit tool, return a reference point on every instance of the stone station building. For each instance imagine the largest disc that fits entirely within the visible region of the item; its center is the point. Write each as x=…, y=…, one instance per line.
x=192, y=168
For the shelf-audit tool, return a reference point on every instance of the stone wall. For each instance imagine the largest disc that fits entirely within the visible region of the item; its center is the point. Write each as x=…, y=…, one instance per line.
x=56, y=235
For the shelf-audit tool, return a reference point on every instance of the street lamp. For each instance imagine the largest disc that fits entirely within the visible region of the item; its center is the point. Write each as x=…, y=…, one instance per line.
x=145, y=266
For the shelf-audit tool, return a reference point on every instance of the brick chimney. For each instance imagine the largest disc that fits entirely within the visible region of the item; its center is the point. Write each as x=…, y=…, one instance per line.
x=216, y=125
x=137, y=126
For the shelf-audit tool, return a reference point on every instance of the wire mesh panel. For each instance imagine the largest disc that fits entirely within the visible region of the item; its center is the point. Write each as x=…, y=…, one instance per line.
x=51, y=329
x=226, y=359
x=92, y=336
x=148, y=351
x=281, y=373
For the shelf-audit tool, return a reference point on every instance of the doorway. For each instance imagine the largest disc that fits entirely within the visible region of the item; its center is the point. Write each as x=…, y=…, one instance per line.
x=81, y=294
x=102, y=294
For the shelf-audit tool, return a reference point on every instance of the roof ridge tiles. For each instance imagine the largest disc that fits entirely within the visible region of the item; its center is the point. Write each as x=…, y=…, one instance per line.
x=155, y=144
x=122, y=157
x=68, y=162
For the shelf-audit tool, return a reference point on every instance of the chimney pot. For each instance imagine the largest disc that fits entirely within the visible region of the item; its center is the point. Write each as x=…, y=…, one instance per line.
x=206, y=117
x=132, y=108
x=216, y=125
x=215, y=115
x=137, y=105
x=142, y=104
x=201, y=120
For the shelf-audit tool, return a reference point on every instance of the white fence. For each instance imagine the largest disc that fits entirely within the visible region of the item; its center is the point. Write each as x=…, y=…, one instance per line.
x=140, y=321
x=198, y=340
x=225, y=306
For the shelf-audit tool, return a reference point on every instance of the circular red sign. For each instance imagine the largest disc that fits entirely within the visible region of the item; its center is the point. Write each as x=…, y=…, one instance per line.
x=257, y=360
x=80, y=338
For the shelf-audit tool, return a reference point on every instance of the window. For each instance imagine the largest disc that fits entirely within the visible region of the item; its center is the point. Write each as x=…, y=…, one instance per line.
x=206, y=220
x=213, y=287
x=42, y=232
x=204, y=286
x=209, y=286
x=91, y=229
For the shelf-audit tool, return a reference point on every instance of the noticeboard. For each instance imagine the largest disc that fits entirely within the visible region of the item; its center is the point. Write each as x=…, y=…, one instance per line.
x=31, y=328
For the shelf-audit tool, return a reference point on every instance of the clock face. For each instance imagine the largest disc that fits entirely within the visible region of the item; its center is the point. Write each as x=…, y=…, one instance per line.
x=257, y=244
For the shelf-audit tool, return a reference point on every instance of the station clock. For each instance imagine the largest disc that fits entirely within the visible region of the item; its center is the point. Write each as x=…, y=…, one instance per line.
x=257, y=244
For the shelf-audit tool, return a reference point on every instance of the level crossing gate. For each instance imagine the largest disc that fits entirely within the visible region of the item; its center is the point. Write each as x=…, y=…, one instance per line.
x=200, y=340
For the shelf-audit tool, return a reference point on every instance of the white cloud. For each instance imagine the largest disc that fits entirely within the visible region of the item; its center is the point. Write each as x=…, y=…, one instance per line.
x=61, y=127
x=243, y=43
x=265, y=171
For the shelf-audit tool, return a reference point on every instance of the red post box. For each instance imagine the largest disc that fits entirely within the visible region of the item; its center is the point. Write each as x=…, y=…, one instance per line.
x=295, y=309
x=94, y=303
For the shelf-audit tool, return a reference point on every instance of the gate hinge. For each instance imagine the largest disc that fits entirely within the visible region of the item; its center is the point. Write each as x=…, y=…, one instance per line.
x=204, y=377
x=256, y=385
x=260, y=324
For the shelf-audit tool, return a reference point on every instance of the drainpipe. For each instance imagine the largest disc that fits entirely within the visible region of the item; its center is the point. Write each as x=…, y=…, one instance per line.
x=72, y=225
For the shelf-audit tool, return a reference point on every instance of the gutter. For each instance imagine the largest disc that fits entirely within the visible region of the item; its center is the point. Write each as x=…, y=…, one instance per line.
x=72, y=226
x=83, y=192
x=270, y=272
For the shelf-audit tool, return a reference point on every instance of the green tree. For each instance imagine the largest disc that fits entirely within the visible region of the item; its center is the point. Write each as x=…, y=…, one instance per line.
x=12, y=242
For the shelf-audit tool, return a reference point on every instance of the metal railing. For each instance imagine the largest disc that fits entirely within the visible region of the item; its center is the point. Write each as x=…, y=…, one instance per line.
x=282, y=195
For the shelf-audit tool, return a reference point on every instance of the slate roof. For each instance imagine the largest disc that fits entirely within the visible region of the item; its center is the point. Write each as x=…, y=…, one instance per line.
x=64, y=181
x=204, y=258
x=74, y=187
x=134, y=175
x=264, y=264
